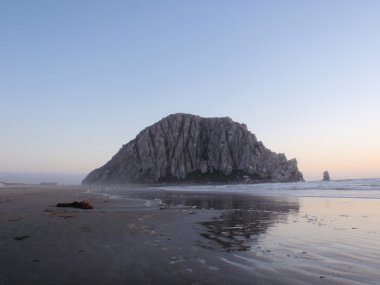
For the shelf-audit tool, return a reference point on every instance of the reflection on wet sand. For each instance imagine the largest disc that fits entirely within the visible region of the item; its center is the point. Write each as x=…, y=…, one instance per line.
x=243, y=220
x=239, y=227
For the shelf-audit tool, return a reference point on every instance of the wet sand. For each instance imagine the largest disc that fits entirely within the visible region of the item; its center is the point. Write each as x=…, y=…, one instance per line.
x=156, y=237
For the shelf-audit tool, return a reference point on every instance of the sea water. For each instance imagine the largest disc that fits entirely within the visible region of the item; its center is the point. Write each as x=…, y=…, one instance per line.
x=348, y=188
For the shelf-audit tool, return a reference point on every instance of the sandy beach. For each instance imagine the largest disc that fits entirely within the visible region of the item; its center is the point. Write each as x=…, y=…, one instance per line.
x=155, y=237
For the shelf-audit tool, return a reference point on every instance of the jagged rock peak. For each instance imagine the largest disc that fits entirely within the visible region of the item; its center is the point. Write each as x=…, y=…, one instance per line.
x=189, y=148
x=326, y=176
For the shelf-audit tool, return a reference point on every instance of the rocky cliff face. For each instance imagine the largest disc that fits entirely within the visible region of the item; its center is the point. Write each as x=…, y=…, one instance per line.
x=189, y=148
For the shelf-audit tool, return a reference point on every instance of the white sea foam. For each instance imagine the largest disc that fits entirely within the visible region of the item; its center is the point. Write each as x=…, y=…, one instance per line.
x=353, y=188
x=111, y=196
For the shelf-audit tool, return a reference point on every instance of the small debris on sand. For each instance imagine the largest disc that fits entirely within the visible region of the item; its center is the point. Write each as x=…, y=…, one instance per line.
x=81, y=205
x=21, y=238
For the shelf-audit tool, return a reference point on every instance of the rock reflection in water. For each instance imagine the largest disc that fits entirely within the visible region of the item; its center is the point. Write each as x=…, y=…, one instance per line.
x=245, y=217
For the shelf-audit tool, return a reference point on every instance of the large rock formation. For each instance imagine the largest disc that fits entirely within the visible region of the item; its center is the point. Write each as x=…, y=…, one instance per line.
x=189, y=148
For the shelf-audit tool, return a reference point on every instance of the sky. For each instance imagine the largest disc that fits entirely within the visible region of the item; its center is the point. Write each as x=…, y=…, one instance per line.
x=81, y=78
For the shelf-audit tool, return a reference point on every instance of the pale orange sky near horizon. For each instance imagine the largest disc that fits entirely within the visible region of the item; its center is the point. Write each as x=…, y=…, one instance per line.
x=344, y=156
x=346, y=151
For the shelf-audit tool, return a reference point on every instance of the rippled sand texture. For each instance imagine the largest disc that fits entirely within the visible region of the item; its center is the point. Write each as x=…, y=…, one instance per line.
x=296, y=240
x=152, y=236
x=335, y=240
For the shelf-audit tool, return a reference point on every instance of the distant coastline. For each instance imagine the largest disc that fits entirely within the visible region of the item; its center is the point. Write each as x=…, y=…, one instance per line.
x=36, y=178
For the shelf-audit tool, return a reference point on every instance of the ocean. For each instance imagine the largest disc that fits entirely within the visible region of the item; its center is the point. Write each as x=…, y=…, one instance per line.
x=348, y=188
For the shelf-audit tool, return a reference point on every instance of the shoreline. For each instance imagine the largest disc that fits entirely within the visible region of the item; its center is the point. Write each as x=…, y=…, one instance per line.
x=208, y=239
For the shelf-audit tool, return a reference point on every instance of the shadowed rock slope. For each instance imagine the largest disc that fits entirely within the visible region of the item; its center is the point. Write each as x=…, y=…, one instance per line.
x=188, y=148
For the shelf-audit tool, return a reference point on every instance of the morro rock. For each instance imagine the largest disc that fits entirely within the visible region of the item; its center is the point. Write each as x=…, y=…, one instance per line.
x=188, y=148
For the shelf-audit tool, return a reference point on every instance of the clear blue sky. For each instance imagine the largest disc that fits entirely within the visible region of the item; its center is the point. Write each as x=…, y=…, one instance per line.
x=81, y=78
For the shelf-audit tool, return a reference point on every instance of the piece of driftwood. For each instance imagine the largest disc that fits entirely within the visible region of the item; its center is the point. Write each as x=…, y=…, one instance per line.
x=75, y=204
x=21, y=238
